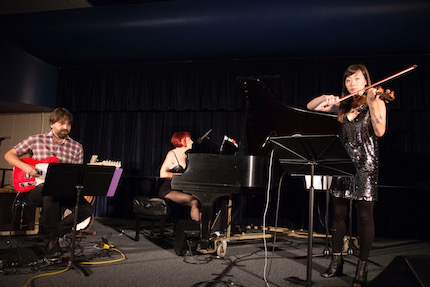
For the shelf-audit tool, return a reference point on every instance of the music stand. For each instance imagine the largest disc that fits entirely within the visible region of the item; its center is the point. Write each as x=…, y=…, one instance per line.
x=315, y=155
x=69, y=180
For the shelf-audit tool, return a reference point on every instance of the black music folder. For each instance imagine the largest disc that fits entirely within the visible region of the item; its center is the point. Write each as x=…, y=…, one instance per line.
x=62, y=178
x=327, y=154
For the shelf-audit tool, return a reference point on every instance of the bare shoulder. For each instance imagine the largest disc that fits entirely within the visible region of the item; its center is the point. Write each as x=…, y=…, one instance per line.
x=170, y=156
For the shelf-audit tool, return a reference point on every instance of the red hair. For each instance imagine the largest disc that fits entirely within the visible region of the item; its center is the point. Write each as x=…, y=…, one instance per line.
x=177, y=138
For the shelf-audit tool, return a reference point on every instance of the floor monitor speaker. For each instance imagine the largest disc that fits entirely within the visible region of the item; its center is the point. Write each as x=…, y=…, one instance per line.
x=408, y=271
x=187, y=236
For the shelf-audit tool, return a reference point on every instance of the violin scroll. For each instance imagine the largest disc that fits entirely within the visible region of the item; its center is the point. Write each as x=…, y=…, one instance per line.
x=387, y=95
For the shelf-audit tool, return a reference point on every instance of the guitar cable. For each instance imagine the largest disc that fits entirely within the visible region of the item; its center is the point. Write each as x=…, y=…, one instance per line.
x=102, y=244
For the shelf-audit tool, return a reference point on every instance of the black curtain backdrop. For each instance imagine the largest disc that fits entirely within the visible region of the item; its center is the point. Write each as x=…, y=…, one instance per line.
x=129, y=113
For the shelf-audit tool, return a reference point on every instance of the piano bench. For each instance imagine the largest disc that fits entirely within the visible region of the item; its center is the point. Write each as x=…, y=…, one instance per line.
x=153, y=209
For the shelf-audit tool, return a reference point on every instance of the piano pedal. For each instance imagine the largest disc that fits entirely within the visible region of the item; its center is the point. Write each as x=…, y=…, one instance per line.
x=217, y=234
x=216, y=220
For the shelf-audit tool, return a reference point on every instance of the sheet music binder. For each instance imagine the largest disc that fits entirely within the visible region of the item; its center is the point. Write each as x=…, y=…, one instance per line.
x=62, y=178
x=297, y=153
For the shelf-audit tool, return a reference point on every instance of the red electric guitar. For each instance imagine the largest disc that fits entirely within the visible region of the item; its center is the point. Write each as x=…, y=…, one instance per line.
x=23, y=182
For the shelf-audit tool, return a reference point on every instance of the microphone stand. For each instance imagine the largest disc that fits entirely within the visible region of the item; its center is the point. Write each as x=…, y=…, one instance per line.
x=212, y=144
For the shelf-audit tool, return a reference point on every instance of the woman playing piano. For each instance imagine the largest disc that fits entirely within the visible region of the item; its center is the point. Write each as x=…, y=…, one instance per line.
x=361, y=125
x=176, y=163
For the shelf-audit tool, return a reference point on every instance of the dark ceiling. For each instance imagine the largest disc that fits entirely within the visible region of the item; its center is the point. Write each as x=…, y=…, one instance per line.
x=101, y=32
x=189, y=30
x=29, y=6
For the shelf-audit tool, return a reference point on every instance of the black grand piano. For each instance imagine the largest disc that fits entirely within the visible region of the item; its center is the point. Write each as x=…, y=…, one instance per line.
x=211, y=176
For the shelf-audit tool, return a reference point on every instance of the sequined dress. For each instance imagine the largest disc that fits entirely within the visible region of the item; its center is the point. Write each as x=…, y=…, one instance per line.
x=361, y=143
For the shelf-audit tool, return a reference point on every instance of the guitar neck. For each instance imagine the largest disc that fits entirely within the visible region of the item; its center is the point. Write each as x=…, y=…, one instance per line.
x=116, y=164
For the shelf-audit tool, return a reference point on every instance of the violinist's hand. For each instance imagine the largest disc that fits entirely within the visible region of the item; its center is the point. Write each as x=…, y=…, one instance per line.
x=327, y=103
x=324, y=103
x=331, y=100
x=372, y=95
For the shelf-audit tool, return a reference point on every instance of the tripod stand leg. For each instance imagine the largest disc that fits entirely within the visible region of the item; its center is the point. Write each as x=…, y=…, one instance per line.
x=310, y=234
x=72, y=262
x=327, y=199
x=78, y=267
x=308, y=281
x=350, y=251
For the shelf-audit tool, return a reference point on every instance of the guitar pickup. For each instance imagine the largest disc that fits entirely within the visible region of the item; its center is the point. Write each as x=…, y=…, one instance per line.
x=29, y=183
x=40, y=172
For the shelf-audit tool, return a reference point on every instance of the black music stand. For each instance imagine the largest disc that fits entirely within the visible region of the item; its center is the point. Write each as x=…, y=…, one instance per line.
x=315, y=155
x=70, y=180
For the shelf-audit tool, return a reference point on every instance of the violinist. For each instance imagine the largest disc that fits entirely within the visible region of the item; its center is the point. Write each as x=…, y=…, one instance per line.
x=363, y=121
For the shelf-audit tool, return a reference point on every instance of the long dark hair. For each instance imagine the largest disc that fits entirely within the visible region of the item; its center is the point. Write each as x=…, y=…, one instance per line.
x=345, y=106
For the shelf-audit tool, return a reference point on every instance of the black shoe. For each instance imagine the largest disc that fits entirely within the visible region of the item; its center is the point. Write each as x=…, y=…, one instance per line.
x=336, y=267
x=360, y=279
x=53, y=249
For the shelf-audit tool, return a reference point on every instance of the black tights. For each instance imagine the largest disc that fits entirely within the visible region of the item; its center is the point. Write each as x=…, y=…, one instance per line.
x=366, y=226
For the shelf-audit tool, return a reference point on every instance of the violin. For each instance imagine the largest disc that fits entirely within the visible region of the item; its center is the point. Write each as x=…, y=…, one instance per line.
x=360, y=101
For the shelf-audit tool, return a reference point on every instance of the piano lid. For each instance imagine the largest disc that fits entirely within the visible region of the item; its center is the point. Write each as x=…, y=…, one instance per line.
x=266, y=115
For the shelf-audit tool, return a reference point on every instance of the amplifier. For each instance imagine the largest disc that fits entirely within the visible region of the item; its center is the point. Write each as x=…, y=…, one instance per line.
x=30, y=216
x=187, y=236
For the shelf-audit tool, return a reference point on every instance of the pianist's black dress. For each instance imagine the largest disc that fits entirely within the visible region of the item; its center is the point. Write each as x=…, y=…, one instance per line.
x=166, y=187
x=361, y=143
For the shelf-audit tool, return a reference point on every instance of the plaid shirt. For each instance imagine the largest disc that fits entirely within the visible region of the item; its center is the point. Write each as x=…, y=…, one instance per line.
x=42, y=146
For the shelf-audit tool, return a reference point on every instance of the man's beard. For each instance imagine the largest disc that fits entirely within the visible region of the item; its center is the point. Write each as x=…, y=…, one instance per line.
x=62, y=134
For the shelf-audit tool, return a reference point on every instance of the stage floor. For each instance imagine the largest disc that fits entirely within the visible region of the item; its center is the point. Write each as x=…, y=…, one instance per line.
x=153, y=262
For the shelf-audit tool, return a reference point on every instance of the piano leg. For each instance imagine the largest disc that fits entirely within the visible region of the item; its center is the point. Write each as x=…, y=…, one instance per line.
x=229, y=207
x=207, y=200
x=205, y=226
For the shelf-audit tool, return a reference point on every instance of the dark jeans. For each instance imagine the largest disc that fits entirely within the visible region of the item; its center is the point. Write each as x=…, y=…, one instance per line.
x=52, y=206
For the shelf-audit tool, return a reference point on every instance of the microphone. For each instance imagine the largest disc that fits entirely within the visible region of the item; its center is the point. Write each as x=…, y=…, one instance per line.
x=200, y=139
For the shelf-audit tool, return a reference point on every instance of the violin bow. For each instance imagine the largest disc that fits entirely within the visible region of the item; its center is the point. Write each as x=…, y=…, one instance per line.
x=378, y=83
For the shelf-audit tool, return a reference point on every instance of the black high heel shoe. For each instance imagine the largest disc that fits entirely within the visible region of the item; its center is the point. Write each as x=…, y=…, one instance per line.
x=360, y=279
x=336, y=267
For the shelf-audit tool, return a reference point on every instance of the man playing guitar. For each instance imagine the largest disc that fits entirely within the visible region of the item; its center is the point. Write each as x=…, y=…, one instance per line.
x=55, y=144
